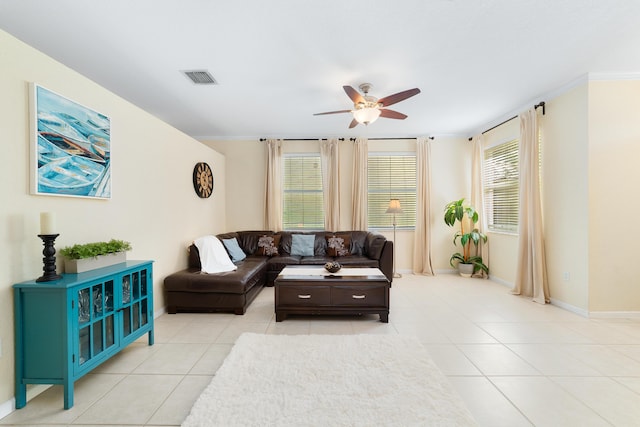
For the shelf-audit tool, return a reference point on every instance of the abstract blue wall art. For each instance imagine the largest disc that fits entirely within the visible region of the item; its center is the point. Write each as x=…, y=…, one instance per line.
x=70, y=147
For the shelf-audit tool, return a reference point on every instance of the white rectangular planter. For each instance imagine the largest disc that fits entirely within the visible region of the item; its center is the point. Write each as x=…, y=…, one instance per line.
x=86, y=264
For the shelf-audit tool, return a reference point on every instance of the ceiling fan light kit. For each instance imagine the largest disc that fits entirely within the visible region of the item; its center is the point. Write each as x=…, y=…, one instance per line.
x=366, y=115
x=367, y=109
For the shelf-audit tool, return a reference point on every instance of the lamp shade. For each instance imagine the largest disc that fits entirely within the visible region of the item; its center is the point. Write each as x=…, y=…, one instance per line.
x=366, y=115
x=394, y=206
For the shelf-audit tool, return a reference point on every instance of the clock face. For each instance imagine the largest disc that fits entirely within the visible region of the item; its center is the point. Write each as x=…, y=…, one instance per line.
x=203, y=180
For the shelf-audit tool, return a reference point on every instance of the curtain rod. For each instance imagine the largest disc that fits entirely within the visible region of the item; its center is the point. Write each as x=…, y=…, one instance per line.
x=541, y=104
x=300, y=139
x=341, y=139
x=390, y=139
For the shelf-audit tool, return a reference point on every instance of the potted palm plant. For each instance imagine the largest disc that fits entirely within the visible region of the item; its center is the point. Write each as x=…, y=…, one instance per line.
x=468, y=263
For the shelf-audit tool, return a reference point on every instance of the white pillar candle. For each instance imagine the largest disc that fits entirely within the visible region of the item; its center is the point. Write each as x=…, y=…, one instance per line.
x=47, y=223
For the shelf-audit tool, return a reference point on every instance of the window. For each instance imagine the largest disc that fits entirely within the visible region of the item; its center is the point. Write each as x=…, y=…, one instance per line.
x=501, y=186
x=391, y=176
x=303, y=206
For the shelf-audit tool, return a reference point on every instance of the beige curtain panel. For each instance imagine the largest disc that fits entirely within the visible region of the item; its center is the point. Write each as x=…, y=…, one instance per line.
x=477, y=199
x=359, y=184
x=531, y=277
x=422, y=240
x=331, y=183
x=273, y=186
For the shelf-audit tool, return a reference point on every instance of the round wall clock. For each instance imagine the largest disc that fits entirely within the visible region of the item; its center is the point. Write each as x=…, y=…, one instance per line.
x=202, y=180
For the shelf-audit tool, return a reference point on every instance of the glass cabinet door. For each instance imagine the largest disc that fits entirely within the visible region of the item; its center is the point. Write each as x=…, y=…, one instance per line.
x=144, y=298
x=96, y=327
x=135, y=305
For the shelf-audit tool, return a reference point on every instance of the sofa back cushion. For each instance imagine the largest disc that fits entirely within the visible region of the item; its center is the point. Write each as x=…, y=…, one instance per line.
x=319, y=242
x=248, y=240
x=366, y=243
x=358, y=241
x=194, y=257
x=374, y=244
x=230, y=235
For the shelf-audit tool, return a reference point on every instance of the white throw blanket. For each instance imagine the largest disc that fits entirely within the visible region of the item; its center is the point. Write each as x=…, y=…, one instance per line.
x=213, y=256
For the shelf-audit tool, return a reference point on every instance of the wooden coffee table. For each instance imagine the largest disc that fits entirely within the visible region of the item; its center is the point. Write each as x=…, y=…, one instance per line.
x=313, y=290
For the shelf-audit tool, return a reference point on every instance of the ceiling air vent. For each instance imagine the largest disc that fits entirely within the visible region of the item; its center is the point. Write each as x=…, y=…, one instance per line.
x=200, y=77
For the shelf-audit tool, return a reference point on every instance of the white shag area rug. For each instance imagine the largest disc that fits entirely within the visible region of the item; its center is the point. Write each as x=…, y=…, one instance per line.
x=328, y=380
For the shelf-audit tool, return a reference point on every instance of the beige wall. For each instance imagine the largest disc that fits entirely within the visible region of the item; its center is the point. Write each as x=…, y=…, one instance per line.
x=614, y=150
x=591, y=142
x=245, y=172
x=565, y=197
x=153, y=205
x=451, y=160
x=451, y=180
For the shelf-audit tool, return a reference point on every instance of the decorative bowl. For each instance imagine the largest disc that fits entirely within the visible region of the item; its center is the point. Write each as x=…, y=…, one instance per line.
x=332, y=266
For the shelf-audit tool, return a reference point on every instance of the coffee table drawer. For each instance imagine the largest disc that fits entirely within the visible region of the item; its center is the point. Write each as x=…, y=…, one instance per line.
x=359, y=296
x=304, y=295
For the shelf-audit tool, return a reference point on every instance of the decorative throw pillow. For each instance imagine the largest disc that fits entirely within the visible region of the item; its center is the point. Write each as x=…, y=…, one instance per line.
x=235, y=251
x=302, y=244
x=268, y=245
x=338, y=245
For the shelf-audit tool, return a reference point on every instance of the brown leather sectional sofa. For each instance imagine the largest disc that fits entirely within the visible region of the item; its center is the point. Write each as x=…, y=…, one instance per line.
x=190, y=290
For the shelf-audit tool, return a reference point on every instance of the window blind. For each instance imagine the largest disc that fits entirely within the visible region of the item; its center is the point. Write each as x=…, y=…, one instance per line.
x=303, y=207
x=501, y=186
x=391, y=176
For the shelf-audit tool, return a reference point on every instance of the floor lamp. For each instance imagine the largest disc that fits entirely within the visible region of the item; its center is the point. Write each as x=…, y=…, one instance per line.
x=394, y=208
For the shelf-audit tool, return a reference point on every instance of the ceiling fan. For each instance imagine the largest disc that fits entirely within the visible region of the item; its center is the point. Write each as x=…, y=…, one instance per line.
x=367, y=109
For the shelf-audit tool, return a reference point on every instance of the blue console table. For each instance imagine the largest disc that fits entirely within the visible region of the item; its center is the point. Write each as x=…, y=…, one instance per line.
x=65, y=328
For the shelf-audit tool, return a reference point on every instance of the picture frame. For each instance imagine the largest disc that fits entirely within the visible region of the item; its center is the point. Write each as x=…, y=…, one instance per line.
x=70, y=147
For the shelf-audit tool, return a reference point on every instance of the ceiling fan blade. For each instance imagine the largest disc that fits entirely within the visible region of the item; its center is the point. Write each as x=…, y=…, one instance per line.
x=353, y=94
x=390, y=114
x=353, y=123
x=397, y=97
x=332, y=112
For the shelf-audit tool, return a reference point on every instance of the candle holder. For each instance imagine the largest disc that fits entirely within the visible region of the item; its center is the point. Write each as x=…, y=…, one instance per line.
x=49, y=260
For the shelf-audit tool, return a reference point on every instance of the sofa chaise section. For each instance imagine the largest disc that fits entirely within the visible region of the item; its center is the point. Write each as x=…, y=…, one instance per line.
x=232, y=291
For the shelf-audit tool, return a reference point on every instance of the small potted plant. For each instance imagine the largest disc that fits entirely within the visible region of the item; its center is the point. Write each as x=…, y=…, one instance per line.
x=468, y=263
x=88, y=256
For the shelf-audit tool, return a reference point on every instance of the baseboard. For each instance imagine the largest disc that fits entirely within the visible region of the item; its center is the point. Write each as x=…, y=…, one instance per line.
x=447, y=271
x=501, y=282
x=572, y=308
x=33, y=390
x=7, y=407
x=614, y=314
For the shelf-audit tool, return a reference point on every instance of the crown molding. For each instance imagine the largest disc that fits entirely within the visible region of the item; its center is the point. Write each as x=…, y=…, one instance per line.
x=614, y=76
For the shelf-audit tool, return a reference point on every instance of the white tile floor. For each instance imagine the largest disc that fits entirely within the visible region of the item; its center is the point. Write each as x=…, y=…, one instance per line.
x=514, y=362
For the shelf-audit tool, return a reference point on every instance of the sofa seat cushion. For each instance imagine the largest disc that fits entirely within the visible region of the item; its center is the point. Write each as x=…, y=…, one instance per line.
x=279, y=262
x=315, y=260
x=250, y=271
x=355, y=260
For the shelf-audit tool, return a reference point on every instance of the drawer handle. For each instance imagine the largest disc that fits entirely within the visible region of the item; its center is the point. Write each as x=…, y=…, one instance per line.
x=358, y=296
x=304, y=296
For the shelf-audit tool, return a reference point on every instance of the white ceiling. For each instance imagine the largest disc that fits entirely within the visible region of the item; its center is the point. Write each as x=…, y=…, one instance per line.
x=279, y=61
